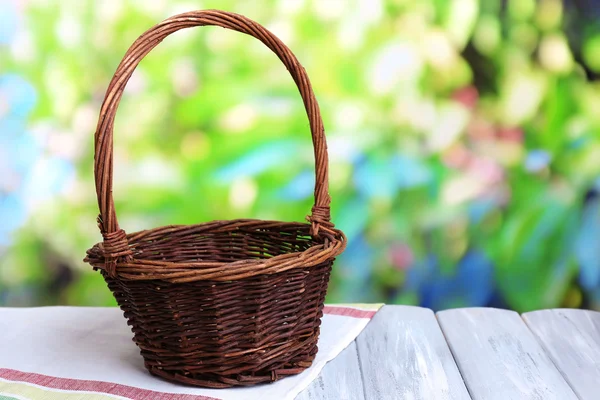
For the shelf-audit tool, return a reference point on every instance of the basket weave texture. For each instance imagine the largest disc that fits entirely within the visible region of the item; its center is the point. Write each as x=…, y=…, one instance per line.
x=223, y=303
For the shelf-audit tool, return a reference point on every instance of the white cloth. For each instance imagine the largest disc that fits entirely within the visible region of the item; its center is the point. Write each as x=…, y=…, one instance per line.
x=87, y=353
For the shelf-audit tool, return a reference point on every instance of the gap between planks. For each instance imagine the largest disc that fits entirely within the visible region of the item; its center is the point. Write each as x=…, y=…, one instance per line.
x=571, y=338
x=500, y=354
x=403, y=355
x=499, y=357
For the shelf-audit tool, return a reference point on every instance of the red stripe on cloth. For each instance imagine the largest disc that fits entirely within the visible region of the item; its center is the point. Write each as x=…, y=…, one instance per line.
x=348, y=312
x=94, y=386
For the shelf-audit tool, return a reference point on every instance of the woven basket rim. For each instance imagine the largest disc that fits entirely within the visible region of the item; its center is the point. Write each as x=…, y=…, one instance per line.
x=334, y=243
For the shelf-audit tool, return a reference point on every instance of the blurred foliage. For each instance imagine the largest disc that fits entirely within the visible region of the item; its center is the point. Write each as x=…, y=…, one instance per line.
x=464, y=140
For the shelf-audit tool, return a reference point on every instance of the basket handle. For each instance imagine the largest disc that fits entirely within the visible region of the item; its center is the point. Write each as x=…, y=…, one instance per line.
x=115, y=240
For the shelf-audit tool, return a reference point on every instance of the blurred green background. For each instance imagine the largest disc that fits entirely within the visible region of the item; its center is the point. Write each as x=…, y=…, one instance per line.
x=464, y=142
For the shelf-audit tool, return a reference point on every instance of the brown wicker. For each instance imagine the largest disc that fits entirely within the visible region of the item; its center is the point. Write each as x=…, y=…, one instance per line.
x=224, y=303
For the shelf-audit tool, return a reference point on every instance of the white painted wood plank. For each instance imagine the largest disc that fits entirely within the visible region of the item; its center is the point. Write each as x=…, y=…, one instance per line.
x=499, y=358
x=340, y=379
x=572, y=340
x=403, y=355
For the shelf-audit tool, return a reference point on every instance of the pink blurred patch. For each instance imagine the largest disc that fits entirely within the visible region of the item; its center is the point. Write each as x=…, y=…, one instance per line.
x=486, y=169
x=511, y=134
x=402, y=256
x=481, y=129
x=457, y=156
x=467, y=96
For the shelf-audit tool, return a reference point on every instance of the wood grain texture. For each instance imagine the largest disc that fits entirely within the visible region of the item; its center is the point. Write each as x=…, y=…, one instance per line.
x=572, y=340
x=403, y=355
x=499, y=358
x=339, y=380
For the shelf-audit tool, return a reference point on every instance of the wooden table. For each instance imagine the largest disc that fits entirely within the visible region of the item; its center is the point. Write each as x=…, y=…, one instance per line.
x=470, y=353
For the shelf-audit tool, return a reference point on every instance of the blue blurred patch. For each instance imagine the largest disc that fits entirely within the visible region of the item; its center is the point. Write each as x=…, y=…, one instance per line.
x=8, y=21
x=12, y=215
x=352, y=217
x=26, y=151
x=475, y=278
x=579, y=143
x=11, y=127
x=471, y=285
x=300, y=187
x=259, y=159
x=420, y=273
x=18, y=146
x=587, y=246
x=411, y=172
x=355, y=269
x=375, y=177
x=537, y=160
x=478, y=209
x=48, y=178
x=21, y=95
x=383, y=177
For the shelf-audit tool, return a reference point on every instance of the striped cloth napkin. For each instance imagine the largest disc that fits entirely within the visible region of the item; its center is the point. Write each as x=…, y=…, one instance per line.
x=77, y=353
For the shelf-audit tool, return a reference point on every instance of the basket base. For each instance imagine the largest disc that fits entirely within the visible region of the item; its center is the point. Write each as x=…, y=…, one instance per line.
x=202, y=341
x=222, y=382
x=223, y=333
x=191, y=333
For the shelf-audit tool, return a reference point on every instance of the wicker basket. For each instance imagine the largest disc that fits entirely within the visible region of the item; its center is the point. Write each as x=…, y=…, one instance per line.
x=224, y=303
